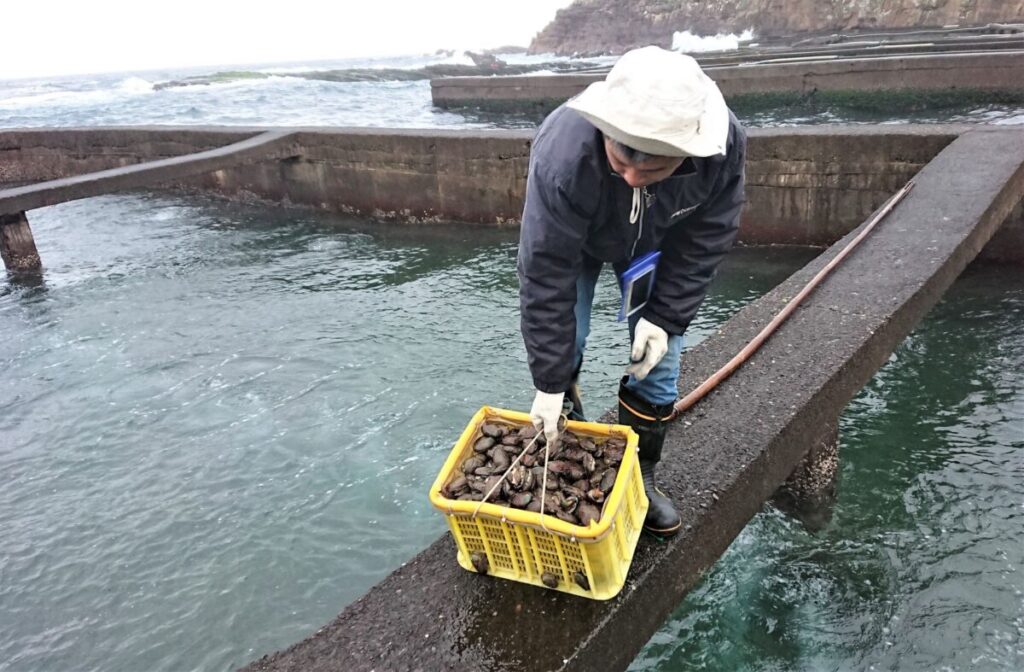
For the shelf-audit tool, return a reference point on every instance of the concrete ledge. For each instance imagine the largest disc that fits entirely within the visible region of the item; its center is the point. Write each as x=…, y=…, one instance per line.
x=992, y=71
x=985, y=71
x=866, y=48
x=40, y=154
x=270, y=145
x=740, y=445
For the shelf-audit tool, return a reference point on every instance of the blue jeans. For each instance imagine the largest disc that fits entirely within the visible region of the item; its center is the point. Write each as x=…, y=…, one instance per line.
x=660, y=385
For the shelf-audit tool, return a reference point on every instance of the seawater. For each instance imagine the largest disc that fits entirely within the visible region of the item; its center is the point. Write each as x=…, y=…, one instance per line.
x=922, y=565
x=383, y=92
x=219, y=423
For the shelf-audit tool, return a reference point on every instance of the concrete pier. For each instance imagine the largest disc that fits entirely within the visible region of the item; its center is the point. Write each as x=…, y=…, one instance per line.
x=810, y=491
x=994, y=71
x=16, y=243
x=263, y=147
x=728, y=456
x=865, y=47
x=17, y=247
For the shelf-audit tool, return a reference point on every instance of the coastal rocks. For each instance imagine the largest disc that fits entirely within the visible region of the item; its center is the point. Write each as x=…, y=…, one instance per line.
x=612, y=27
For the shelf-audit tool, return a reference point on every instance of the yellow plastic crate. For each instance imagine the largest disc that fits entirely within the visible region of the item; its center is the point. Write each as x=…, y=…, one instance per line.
x=515, y=542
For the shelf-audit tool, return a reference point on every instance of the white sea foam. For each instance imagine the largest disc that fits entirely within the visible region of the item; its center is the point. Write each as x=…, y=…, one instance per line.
x=409, y=62
x=135, y=85
x=689, y=43
x=458, y=57
x=54, y=98
x=42, y=96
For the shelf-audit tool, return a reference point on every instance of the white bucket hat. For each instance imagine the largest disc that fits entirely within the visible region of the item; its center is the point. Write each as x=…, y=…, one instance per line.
x=659, y=102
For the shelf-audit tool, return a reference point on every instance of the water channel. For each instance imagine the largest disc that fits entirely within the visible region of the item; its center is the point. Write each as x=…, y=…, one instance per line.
x=219, y=423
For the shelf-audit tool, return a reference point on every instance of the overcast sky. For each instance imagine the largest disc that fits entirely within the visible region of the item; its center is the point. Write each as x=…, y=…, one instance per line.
x=44, y=37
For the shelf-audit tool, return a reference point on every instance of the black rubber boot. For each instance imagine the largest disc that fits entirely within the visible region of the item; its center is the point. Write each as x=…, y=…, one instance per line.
x=572, y=405
x=650, y=422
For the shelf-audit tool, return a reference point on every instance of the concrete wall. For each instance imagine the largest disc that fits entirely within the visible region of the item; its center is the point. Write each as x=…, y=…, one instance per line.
x=813, y=185
x=396, y=175
x=996, y=71
x=993, y=71
x=34, y=155
x=805, y=186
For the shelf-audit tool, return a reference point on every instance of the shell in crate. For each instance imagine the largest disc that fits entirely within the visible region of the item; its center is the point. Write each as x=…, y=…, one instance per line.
x=590, y=560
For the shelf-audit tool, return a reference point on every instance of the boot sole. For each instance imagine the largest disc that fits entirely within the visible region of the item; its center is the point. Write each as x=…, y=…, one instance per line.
x=668, y=532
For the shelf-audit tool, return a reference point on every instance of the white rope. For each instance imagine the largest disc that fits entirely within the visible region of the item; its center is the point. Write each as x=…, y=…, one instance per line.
x=544, y=487
x=507, y=471
x=544, y=480
x=544, y=483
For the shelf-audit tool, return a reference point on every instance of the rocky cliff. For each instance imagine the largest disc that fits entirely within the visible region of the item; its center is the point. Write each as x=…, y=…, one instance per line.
x=613, y=26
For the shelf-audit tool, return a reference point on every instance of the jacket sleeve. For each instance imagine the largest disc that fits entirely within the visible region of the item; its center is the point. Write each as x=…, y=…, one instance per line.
x=693, y=248
x=550, y=259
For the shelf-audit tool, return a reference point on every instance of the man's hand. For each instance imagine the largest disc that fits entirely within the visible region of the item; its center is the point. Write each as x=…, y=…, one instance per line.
x=650, y=343
x=546, y=410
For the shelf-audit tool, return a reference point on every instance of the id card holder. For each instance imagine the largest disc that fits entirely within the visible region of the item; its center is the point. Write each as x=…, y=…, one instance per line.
x=638, y=284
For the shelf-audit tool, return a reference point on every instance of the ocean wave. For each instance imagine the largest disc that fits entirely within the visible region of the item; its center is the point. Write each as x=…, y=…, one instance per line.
x=441, y=57
x=135, y=85
x=48, y=95
x=378, y=73
x=688, y=43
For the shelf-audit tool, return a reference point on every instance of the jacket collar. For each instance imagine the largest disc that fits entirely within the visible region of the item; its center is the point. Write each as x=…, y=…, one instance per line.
x=685, y=169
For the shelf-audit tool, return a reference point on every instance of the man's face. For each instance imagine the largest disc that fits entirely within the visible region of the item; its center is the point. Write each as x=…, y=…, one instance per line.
x=641, y=174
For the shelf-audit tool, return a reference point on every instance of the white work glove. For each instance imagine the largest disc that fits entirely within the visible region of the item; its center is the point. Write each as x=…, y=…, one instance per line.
x=650, y=343
x=546, y=410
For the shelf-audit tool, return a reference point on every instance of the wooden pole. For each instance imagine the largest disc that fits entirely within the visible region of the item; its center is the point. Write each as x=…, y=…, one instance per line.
x=17, y=246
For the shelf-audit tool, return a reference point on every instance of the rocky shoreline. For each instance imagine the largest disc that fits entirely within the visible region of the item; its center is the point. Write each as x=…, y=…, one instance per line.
x=597, y=27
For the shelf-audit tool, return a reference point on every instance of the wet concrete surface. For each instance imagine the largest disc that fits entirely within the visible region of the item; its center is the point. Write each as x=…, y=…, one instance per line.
x=724, y=458
x=809, y=494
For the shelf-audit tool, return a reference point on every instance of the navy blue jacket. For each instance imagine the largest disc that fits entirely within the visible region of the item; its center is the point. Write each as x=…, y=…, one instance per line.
x=576, y=206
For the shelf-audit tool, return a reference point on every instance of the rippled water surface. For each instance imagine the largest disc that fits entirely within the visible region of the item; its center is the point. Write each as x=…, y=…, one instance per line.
x=218, y=424
x=922, y=566
x=389, y=92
